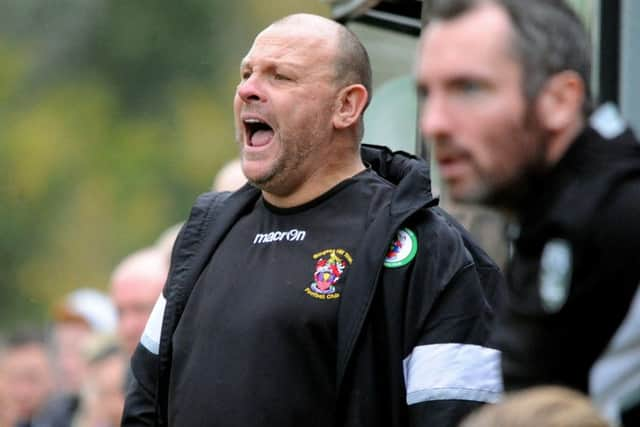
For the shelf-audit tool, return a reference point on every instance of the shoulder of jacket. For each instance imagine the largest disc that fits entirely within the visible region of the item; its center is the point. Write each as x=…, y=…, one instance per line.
x=441, y=240
x=201, y=213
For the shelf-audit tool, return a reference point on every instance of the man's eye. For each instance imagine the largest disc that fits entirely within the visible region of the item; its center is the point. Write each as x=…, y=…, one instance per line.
x=279, y=76
x=245, y=75
x=469, y=87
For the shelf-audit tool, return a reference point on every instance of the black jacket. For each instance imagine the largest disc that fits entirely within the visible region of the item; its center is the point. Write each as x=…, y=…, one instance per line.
x=575, y=270
x=411, y=340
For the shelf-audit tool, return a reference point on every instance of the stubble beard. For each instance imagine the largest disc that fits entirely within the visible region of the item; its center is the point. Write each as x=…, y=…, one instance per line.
x=285, y=174
x=510, y=193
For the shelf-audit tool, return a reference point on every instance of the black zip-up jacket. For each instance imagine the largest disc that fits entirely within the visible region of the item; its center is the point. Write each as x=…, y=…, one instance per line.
x=411, y=347
x=574, y=273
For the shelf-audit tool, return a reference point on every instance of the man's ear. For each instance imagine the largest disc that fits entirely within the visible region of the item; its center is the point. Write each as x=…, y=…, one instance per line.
x=560, y=101
x=349, y=105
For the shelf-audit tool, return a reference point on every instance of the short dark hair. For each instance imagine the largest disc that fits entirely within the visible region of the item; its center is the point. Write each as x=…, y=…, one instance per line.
x=548, y=38
x=352, y=62
x=353, y=66
x=25, y=336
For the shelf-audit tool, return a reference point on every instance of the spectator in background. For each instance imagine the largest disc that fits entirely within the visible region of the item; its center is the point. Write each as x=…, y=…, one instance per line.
x=80, y=314
x=103, y=387
x=27, y=372
x=165, y=242
x=543, y=406
x=77, y=318
x=230, y=177
x=508, y=111
x=135, y=285
x=8, y=408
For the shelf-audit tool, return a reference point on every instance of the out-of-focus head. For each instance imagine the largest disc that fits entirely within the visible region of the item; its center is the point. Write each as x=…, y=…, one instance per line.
x=136, y=284
x=89, y=307
x=505, y=85
x=8, y=408
x=80, y=314
x=543, y=406
x=230, y=177
x=304, y=86
x=103, y=397
x=164, y=244
x=26, y=369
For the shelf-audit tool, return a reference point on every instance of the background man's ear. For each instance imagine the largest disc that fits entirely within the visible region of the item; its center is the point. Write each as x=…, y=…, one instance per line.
x=560, y=100
x=350, y=105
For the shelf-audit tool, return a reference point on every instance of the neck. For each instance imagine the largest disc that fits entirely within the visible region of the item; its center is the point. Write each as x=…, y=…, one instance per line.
x=319, y=182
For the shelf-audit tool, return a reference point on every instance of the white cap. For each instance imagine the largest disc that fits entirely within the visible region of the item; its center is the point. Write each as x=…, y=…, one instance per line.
x=94, y=307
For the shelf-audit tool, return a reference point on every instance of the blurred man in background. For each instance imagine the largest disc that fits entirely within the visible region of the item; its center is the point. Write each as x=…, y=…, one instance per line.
x=103, y=388
x=135, y=286
x=27, y=372
x=76, y=318
x=8, y=408
x=507, y=108
x=230, y=177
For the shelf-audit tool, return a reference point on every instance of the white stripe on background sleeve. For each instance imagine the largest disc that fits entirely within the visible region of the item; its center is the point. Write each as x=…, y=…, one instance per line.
x=615, y=377
x=151, y=335
x=453, y=371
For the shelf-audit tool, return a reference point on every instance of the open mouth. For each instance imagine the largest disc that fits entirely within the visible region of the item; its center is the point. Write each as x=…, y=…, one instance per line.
x=258, y=132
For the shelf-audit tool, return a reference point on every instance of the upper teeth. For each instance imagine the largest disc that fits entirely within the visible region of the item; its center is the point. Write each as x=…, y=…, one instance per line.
x=252, y=121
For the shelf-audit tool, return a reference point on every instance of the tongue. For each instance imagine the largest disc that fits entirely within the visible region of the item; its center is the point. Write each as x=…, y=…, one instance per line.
x=261, y=137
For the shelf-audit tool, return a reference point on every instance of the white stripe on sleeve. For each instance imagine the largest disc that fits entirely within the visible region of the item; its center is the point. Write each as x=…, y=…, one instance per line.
x=615, y=377
x=151, y=335
x=453, y=371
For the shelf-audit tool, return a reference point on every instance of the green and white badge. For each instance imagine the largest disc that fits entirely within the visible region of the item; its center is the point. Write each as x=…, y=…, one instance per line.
x=402, y=250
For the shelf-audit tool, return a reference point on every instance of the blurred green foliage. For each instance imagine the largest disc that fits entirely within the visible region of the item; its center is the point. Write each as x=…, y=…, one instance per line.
x=114, y=116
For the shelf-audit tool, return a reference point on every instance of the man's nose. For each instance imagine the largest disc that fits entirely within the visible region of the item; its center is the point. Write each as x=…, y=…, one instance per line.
x=250, y=89
x=435, y=120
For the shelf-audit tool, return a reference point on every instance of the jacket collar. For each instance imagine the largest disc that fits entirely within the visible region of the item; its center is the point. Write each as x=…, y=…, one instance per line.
x=412, y=193
x=409, y=173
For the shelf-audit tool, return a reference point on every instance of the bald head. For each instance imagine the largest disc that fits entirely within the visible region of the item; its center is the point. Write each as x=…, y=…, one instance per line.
x=147, y=262
x=352, y=65
x=291, y=109
x=136, y=284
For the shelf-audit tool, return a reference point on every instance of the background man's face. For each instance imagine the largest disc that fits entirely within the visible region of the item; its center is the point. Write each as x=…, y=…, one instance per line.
x=134, y=297
x=474, y=112
x=70, y=339
x=106, y=388
x=286, y=85
x=27, y=372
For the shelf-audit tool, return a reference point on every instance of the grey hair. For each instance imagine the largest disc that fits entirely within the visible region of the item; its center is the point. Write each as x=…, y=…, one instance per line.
x=548, y=38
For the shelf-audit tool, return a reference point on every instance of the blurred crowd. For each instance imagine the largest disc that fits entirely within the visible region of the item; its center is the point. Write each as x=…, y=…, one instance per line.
x=73, y=372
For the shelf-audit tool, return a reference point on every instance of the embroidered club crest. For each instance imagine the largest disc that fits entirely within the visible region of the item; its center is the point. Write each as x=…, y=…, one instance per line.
x=330, y=265
x=402, y=250
x=555, y=274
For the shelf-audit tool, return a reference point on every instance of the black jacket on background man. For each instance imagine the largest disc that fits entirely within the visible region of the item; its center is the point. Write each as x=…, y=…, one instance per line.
x=575, y=272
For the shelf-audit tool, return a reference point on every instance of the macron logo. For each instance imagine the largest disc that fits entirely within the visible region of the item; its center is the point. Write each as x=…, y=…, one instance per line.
x=294, y=235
